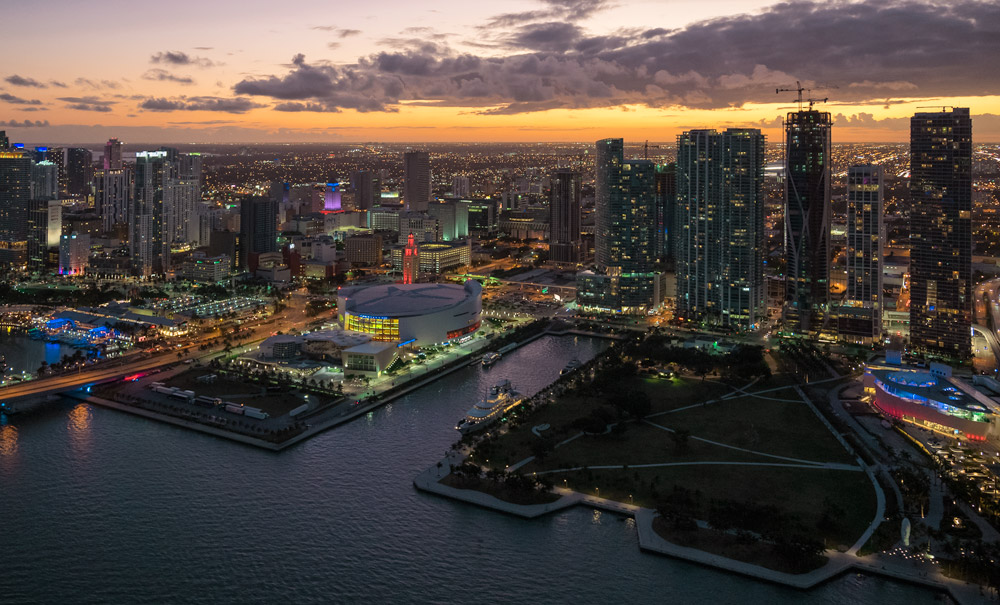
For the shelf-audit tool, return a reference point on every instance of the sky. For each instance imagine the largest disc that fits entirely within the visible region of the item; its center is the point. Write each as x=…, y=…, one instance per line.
x=524, y=70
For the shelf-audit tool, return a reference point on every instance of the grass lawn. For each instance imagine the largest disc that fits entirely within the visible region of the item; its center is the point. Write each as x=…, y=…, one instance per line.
x=804, y=493
x=728, y=545
x=773, y=427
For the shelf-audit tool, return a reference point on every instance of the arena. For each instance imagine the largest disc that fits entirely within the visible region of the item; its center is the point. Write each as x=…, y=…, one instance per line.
x=422, y=314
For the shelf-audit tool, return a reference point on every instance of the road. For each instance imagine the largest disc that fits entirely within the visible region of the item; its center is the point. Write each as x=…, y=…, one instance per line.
x=293, y=316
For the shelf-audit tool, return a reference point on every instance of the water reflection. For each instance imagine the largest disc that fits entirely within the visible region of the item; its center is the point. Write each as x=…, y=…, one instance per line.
x=8, y=440
x=78, y=423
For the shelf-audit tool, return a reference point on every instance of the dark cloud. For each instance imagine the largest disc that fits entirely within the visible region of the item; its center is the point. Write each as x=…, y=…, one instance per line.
x=342, y=33
x=17, y=80
x=898, y=49
x=96, y=85
x=333, y=45
x=228, y=105
x=88, y=104
x=178, y=58
x=163, y=75
x=58, y=84
x=297, y=107
x=9, y=98
x=24, y=124
x=563, y=10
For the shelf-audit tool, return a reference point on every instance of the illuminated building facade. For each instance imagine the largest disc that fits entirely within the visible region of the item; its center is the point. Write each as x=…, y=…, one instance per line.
x=720, y=227
x=860, y=316
x=934, y=400
x=941, y=233
x=807, y=219
x=419, y=313
x=411, y=261
x=149, y=249
x=74, y=250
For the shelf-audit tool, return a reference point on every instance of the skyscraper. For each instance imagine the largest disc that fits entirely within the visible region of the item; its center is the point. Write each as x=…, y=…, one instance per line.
x=258, y=228
x=720, y=226
x=416, y=180
x=460, y=186
x=941, y=233
x=564, y=216
x=626, y=280
x=367, y=189
x=666, y=199
x=807, y=219
x=15, y=191
x=149, y=248
x=860, y=316
x=44, y=180
x=113, y=197
x=4, y=141
x=113, y=155
x=79, y=171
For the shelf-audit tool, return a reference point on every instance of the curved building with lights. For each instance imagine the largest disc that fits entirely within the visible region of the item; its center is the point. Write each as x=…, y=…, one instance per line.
x=933, y=400
x=422, y=314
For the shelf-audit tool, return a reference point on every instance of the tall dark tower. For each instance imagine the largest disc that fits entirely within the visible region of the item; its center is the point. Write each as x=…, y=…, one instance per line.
x=564, y=216
x=258, y=228
x=79, y=171
x=941, y=233
x=666, y=209
x=807, y=219
x=417, y=180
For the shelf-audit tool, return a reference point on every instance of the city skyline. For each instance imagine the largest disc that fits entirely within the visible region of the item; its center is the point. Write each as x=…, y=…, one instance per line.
x=546, y=70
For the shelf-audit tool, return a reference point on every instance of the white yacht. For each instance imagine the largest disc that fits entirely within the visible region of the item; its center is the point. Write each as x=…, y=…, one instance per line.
x=501, y=398
x=572, y=365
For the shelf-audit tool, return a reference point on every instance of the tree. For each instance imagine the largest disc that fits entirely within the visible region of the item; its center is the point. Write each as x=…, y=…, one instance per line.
x=681, y=438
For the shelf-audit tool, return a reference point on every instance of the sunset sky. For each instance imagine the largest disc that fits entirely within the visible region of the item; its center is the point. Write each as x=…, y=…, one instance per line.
x=444, y=70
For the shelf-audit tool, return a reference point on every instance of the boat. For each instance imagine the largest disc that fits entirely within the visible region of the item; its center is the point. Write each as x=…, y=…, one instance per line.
x=501, y=398
x=572, y=365
x=491, y=358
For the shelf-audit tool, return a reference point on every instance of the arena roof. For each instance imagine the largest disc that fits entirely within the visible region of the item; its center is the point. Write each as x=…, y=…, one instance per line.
x=404, y=300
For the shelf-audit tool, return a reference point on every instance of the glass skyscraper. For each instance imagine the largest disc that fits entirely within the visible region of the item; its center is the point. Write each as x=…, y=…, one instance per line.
x=941, y=233
x=860, y=316
x=720, y=226
x=564, y=216
x=807, y=220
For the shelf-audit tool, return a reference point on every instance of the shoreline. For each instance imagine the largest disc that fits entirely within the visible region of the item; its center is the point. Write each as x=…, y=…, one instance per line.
x=321, y=423
x=649, y=541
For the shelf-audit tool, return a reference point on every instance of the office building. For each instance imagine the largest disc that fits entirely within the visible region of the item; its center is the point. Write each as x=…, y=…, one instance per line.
x=941, y=233
x=79, y=171
x=258, y=228
x=148, y=245
x=364, y=250
x=74, y=250
x=453, y=218
x=483, y=217
x=367, y=189
x=720, y=227
x=45, y=180
x=564, y=216
x=15, y=192
x=4, y=141
x=416, y=180
x=666, y=197
x=113, y=155
x=859, y=318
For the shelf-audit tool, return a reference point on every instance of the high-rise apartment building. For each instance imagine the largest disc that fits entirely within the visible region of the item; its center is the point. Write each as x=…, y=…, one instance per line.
x=807, y=220
x=461, y=186
x=626, y=280
x=148, y=245
x=79, y=171
x=564, y=216
x=941, y=233
x=720, y=227
x=416, y=180
x=113, y=197
x=44, y=180
x=860, y=315
x=113, y=155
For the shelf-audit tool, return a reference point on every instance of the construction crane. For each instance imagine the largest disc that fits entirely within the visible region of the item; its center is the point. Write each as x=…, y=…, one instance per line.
x=645, y=149
x=800, y=89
